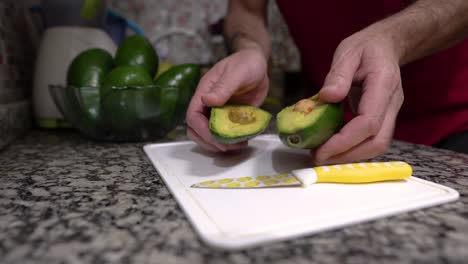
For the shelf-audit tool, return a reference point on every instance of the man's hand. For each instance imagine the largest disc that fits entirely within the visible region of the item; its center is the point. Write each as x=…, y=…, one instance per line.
x=240, y=78
x=365, y=67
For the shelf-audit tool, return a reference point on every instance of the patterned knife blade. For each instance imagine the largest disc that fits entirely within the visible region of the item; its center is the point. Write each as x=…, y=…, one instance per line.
x=280, y=180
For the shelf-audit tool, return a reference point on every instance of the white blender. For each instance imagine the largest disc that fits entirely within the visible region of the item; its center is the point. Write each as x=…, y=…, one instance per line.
x=69, y=27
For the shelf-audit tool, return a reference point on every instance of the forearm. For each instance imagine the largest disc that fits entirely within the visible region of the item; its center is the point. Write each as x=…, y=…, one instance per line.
x=246, y=26
x=425, y=27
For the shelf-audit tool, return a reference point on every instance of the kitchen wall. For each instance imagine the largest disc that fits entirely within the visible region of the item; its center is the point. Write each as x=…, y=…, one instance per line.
x=15, y=73
x=181, y=32
x=187, y=17
x=179, y=28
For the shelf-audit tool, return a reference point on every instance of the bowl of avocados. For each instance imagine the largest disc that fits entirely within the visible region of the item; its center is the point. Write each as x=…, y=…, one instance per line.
x=126, y=97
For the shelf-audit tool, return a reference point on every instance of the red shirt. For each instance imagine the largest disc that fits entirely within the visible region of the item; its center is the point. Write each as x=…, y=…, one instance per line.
x=435, y=87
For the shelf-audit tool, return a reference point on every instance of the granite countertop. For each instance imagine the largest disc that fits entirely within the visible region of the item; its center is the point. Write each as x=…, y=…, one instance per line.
x=66, y=199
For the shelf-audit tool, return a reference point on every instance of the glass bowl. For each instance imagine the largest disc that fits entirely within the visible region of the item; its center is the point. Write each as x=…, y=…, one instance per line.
x=123, y=113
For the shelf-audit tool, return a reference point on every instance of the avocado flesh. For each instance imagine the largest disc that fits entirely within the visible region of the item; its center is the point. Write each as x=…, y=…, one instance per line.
x=309, y=130
x=231, y=124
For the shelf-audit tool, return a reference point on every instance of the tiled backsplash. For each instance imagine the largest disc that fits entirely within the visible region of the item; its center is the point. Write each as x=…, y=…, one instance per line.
x=15, y=72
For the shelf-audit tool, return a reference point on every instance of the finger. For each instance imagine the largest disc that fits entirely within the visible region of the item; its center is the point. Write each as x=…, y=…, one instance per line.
x=221, y=89
x=376, y=97
x=197, y=126
x=338, y=81
x=353, y=133
x=196, y=105
x=253, y=97
x=197, y=113
x=197, y=139
x=354, y=97
x=378, y=90
x=199, y=122
x=206, y=145
x=373, y=146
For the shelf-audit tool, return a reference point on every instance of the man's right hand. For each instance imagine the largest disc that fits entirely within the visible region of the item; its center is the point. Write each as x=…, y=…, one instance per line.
x=239, y=78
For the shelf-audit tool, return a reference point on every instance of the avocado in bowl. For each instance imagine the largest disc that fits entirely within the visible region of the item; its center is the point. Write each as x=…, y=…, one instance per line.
x=117, y=98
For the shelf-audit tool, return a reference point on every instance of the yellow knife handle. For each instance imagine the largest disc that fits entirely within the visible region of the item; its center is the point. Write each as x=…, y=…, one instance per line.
x=364, y=172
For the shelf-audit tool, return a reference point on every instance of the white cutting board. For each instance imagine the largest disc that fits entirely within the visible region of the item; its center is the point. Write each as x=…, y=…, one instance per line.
x=240, y=218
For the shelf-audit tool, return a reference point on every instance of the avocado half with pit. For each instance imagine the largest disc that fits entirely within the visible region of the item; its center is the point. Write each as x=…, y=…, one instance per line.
x=309, y=123
x=231, y=124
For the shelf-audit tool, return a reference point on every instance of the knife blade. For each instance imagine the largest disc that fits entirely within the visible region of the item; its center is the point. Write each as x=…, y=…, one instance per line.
x=351, y=173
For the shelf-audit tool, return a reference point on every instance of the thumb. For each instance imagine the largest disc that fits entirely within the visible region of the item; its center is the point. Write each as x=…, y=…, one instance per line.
x=220, y=88
x=339, y=80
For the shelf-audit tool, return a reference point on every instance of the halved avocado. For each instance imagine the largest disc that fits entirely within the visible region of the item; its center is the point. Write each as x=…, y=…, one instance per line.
x=309, y=123
x=232, y=124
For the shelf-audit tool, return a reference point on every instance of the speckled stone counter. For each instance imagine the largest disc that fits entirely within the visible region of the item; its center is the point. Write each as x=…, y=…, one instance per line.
x=66, y=199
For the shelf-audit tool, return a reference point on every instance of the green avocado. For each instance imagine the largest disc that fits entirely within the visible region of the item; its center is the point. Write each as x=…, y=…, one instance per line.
x=137, y=50
x=127, y=97
x=309, y=123
x=89, y=68
x=232, y=124
x=168, y=97
x=123, y=77
x=84, y=77
x=178, y=84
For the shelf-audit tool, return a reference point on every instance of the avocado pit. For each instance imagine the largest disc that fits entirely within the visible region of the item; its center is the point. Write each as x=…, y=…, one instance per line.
x=240, y=116
x=305, y=106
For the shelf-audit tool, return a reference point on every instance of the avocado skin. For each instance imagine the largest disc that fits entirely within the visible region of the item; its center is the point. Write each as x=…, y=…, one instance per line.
x=89, y=68
x=137, y=50
x=85, y=75
x=317, y=133
x=127, y=98
x=184, y=78
x=235, y=140
x=168, y=97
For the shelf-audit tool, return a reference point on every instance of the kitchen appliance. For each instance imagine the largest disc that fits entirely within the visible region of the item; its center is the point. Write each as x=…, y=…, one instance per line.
x=57, y=49
x=67, y=28
x=242, y=218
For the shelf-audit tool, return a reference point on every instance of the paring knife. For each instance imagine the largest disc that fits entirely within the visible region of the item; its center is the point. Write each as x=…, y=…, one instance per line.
x=365, y=172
